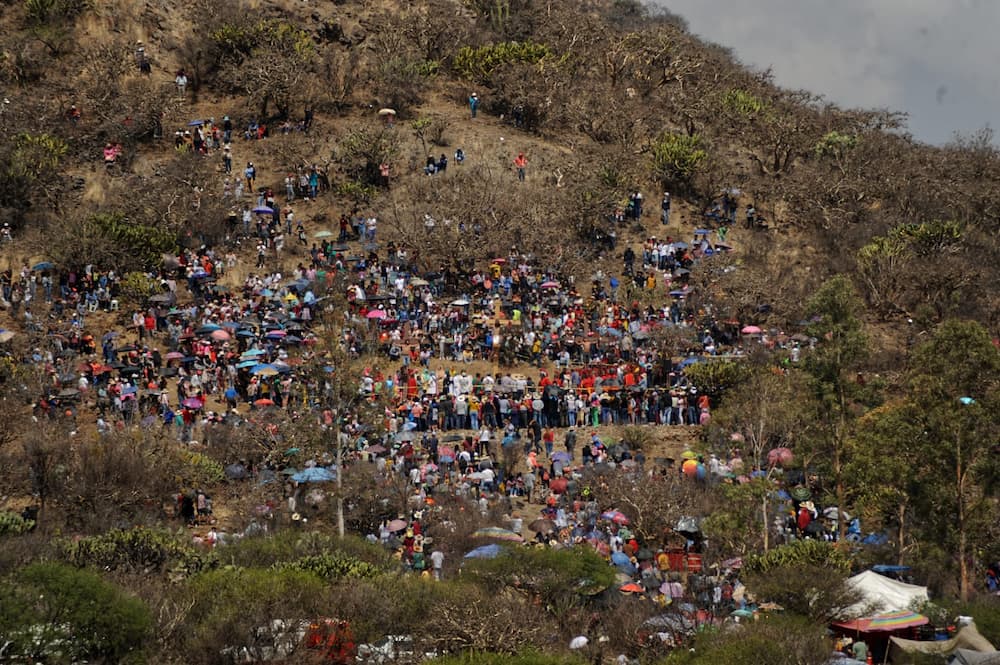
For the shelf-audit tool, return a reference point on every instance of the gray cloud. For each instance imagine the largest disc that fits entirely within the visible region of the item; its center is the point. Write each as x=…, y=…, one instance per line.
x=933, y=59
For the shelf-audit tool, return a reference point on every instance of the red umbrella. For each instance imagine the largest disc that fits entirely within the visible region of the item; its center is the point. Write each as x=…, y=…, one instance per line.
x=631, y=587
x=558, y=485
x=779, y=457
x=264, y=402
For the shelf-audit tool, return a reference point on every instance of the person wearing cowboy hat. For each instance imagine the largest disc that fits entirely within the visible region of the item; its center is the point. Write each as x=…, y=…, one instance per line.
x=807, y=513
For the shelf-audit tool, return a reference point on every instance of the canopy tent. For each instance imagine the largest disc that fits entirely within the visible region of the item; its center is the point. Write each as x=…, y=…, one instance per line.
x=968, y=639
x=881, y=594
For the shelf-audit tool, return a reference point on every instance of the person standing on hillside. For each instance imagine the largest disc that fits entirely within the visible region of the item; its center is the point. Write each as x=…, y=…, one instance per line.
x=473, y=104
x=250, y=173
x=665, y=207
x=181, y=81
x=520, y=163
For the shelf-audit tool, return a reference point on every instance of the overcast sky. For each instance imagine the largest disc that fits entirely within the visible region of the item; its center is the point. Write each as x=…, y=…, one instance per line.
x=936, y=60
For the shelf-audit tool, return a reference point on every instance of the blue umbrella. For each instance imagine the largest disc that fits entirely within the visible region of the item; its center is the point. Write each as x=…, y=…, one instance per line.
x=690, y=361
x=247, y=363
x=702, y=232
x=681, y=245
x=196, y=123
x=677, y=293
x=485, y=552
x=315, y=474
x=44, y=265
x=257, y=369
x=232, y=325
x=252, y=353
x=199, y=274
x=620, y=559
x=245, y=333
x=207, y=328
x=263, y=210
x=561, y=456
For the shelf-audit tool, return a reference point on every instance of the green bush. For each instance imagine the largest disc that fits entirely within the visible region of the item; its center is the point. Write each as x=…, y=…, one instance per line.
x=550, y=573
x=775, y=640
x=12, y=524
x=52, y=612
x=835, y=144
x=801, y=552
x=332, y=566
x=715, y=377
x=252, y=609
x=198, y=469
x=677, y=158
x=135, y=550
x=478, y=64
x=288, y=547
x=742, y=103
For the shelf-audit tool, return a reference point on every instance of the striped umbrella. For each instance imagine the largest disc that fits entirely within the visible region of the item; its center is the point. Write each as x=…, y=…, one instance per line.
x=886, y=623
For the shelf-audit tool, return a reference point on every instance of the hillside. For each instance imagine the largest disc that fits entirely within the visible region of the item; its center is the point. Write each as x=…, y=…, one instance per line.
x=268, y=265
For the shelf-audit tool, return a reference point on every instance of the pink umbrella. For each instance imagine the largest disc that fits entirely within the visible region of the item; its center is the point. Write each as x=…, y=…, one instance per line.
x=779, y=457
x=550, y=285
x=750, y=330
x=174, y=355
x=220, y=335
x=376, y=314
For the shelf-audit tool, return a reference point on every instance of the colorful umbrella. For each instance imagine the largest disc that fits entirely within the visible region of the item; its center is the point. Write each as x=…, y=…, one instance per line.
x=550, y=285
x=750, y=330
x=264, y=402
x=631, y=587
x=779, y=457
x=885, y=623
x=615, y=516
x=376, y=314
x=220, y=335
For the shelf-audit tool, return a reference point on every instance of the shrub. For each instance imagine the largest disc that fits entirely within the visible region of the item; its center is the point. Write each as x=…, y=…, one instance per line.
x=715, y=377
x=775, y=639
x=54, y=613
x=801, y=552
x=835, y=144
x=198, y=469
x=12, y=524
x=742, y=103
x=331, y=566
x=137, y=550
x=677, y=158
x=478, y=64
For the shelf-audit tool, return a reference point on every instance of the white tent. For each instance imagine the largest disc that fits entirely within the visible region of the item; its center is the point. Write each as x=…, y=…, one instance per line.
x=883, y=594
